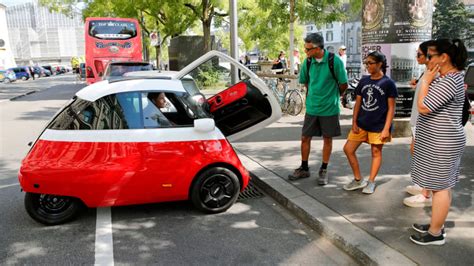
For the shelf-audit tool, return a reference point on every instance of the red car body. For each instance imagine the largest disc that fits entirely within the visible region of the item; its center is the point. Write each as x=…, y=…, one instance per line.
x=110, y=145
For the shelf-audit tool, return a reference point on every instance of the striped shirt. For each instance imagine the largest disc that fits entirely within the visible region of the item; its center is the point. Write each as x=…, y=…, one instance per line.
x=440, y=137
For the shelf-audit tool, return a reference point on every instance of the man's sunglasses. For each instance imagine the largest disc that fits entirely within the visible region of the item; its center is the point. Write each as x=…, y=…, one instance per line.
x=418, y=55
x=309, y=49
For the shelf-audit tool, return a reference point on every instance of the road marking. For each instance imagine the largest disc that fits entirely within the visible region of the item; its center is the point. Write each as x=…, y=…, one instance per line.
x=104, y=245
x=11, y=185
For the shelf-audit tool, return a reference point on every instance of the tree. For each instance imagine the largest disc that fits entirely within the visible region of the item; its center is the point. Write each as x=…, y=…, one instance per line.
x=450, y=19
x=265, y=23
x=205, y=11
x=170, y=18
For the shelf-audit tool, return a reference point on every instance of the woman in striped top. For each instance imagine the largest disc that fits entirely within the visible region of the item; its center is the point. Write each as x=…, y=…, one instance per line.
x=440, y=137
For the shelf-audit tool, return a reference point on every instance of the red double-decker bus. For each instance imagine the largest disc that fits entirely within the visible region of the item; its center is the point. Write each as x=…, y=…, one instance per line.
x=110, y=39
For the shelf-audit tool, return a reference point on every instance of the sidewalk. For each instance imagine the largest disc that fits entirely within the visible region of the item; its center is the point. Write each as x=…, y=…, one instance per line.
x=375, y=228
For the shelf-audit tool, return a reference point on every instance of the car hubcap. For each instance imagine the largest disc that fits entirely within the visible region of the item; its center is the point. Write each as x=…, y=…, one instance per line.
x=217, y=191
x=51, y=204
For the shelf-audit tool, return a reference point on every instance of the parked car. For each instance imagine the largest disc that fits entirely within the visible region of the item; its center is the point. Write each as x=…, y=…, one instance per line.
x=22, y=72
x=46, y=72
x=7, y=76
x=50, y=68
x=109, y=147
x=116, y=70
x=38, y=71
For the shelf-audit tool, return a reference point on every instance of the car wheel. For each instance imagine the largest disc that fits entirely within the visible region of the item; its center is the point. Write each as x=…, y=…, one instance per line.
x=23, y=78
x=6, y=80
x=215, y=190
x=51, y=209
x=36, y=76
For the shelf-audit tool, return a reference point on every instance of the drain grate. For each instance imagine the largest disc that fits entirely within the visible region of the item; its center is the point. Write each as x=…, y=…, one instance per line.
x=250, y=192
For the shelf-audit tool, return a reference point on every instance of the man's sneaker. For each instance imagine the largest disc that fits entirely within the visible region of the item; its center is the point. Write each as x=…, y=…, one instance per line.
x=423, y=228
x=298, y=174
x=323, y=177
x=413, y=189
x=370, y=188
x=417, y=201
x=354, y=184
x=426, y=239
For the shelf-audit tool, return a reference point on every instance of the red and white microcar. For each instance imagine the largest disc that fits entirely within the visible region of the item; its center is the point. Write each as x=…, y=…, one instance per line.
x=109, y=145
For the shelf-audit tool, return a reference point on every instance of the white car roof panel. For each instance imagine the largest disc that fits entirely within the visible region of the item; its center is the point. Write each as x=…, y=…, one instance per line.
x=104, y=88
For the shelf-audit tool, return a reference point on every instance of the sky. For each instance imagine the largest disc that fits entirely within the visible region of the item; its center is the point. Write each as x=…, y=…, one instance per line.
x=14, y=2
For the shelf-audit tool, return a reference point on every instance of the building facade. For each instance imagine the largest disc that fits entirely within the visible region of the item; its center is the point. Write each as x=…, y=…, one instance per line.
x=6, y=55
x=336, y=34
x=38, y=36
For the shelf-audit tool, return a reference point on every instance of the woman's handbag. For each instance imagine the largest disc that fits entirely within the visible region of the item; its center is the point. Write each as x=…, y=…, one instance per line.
x=466, y=110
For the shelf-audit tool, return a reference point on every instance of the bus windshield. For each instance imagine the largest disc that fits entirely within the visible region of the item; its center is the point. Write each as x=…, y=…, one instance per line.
x=112, y=30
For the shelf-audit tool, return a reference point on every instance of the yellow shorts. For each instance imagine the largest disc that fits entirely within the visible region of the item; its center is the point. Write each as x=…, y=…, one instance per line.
x=369, y=137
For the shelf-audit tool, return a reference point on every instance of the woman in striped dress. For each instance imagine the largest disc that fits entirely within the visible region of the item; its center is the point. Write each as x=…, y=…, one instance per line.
x=440, y=137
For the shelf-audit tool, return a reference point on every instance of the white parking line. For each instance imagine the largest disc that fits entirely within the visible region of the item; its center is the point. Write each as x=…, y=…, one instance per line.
x=11, y=185
x=104, y=245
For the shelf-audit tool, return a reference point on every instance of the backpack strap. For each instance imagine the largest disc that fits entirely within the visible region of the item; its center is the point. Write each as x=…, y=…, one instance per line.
x=331, y=67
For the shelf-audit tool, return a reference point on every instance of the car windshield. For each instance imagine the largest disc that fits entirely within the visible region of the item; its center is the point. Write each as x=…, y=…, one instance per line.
x=117, y=70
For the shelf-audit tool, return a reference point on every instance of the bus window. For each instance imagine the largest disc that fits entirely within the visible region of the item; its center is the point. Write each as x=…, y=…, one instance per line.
x=112, y=30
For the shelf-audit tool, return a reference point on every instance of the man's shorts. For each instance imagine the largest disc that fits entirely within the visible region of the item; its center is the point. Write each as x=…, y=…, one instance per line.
x=326, y=126
x=369, y=137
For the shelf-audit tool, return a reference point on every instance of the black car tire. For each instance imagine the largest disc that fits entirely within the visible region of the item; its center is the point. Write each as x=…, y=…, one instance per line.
x=6, y=80
x=24, y=78
x=51, y=209
x=215, y=190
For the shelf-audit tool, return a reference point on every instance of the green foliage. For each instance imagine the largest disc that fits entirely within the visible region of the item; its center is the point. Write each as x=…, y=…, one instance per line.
x=450, y=20
x=265, y=23
x=207, y=76
x=66, y=7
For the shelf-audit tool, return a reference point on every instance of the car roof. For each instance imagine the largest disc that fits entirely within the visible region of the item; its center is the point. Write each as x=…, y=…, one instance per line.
x=103, y=88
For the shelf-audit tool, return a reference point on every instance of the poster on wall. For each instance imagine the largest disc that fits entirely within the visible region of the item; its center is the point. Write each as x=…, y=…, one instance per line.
x=390, y=21
x=385, y=49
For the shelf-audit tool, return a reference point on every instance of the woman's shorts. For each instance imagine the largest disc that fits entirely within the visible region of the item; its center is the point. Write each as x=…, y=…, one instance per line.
x=369, y=137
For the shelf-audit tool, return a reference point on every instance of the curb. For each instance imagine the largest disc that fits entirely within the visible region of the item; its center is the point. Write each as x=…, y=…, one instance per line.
x=363, y=247
x=21, y=95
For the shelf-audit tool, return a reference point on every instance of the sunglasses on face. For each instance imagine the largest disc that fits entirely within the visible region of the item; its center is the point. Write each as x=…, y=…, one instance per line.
x=309, y=49
x=429, y=56
x=418, y=55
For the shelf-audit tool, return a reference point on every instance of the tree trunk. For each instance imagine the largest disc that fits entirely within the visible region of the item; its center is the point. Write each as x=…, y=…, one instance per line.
x=158, y=52
x=206, y=27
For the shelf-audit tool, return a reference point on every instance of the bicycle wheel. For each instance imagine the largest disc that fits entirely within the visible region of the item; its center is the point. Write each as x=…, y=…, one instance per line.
x=293, y=102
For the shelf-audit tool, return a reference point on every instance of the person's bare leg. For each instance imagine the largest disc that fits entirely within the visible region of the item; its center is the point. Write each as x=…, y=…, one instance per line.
x=305, y=147
x=327, y=149
x=350, y=149
x=376, y=160
x=439, y=210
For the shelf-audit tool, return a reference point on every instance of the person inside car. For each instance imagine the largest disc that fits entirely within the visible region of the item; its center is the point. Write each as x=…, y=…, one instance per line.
x=152, y=113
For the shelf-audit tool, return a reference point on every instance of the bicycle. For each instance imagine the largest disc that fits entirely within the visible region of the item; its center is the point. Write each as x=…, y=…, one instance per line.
x=291, y=100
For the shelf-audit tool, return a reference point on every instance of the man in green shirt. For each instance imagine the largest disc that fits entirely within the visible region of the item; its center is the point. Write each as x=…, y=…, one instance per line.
x=322, y=103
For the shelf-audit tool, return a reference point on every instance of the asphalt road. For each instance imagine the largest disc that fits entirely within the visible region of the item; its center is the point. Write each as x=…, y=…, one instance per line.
x=253, y=231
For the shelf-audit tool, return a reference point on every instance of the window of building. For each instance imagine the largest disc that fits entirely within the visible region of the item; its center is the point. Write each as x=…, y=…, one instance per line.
x=329, y=36
x=329, y=26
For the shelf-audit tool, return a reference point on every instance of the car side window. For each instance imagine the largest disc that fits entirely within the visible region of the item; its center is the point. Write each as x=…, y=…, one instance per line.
x=121, y=111
x=155, y=105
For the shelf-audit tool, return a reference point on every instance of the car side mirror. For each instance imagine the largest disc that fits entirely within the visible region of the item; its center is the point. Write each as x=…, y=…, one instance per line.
x=204, y=124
